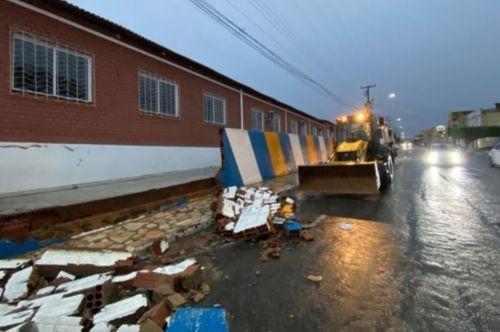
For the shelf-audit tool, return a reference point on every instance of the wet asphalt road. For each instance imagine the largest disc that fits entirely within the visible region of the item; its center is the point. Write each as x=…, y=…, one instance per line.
x=425, y=256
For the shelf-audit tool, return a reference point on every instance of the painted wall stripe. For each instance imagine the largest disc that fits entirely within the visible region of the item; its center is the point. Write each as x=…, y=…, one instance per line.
x=312, y=150
x=286, y=147
x=276, y=154
x=244, y=154
x=296, y=149
x=305, y=151
x=323, y=149
x=261, y=152
x=230, y=174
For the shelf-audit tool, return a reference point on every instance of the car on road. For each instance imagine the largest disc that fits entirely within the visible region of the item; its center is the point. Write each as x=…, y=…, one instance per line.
x=407, y=145
x=495, y=155
x=444, y=154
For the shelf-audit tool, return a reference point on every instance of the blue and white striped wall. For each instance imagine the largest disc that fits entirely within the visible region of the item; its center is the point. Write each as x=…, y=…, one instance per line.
x=254, y=156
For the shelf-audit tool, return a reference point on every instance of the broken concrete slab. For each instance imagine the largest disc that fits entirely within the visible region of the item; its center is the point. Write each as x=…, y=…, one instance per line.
x=82, y=262
x=58, y=324
x=16, y=318
x=122, y=310
x=17, y=285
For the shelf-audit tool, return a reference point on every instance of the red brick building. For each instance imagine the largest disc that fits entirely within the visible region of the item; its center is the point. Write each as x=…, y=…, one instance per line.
x=83, y=99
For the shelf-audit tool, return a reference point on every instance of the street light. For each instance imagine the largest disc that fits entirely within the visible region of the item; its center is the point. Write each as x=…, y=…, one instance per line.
x=391, y=95
x=398, y=119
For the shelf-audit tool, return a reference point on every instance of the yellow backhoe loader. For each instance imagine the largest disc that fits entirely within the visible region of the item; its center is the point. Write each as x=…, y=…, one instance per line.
x=364, y=164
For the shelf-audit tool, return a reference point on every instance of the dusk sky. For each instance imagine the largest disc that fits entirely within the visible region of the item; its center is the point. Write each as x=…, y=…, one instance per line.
x=436, y=55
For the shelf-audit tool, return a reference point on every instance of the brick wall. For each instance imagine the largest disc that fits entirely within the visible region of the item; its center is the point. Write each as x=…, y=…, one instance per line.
x=113, y=117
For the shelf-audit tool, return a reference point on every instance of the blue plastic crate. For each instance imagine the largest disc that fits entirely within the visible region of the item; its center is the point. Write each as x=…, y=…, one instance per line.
x=199, y=320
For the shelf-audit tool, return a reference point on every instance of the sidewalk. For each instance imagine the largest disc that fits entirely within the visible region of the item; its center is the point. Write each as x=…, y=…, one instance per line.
x=170, y=222
x=24, y=202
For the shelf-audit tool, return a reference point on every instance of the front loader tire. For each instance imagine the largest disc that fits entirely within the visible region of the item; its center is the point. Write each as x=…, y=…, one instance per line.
x=386, y=173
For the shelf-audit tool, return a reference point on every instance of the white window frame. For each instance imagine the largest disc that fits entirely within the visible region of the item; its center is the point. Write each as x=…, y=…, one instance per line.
x=261, y=116
x=211, y=95
x=55, y=48
x=158, y=79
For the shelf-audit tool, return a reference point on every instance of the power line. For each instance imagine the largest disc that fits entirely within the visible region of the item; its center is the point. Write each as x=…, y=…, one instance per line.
x=241, y=34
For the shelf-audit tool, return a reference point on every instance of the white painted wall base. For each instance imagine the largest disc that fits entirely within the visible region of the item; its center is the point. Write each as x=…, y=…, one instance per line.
x=31, y=166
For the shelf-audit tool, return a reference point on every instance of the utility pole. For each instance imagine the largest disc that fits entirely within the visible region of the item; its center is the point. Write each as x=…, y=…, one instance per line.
x=366, y=92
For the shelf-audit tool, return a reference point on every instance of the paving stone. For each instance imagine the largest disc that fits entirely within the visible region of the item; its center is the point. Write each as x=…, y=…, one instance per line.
x=95, y=237
x=120, y=237
x=166, y=214
x=152, y=225
x=103, y=244
x=116, y=247
x=154, y=234
x=189, y=222
x=133, y=226
x=164, y=227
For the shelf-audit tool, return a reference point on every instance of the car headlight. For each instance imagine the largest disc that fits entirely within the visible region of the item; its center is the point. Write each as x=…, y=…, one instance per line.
x=433, y=157
x=456, y=157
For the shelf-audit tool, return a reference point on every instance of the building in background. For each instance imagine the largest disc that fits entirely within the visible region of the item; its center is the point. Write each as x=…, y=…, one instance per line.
x=484, y=117
x=86, y=100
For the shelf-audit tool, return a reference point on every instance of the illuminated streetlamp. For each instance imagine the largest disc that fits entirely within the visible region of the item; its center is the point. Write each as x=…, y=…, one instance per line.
x=391, y=95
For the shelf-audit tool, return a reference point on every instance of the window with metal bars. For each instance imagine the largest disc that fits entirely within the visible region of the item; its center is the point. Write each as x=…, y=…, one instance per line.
x=294, y=127
x=276, y=123
x=257, y=118
x=214, y=109
x=158, y=96
x=39, y=67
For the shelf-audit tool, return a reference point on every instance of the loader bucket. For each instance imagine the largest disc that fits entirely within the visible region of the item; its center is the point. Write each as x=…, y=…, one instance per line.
x=340, y=178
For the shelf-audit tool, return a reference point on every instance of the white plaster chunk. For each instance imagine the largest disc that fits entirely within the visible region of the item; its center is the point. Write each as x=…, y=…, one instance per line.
x=65, y=306
x=82, y=257
x=122, y=308
x=39, y=301
x=229, y=226
x=175, y=268
x=9, y=264
x=15, y=318
x=129, y=328
x=229, y=192
x=228, y=208
x=66, y=275
x=102, y=327
x=251, y=217
x=58, y=324
x=17, y=286
x=84, y=283
x=124, y=277
x=45, y=290
x=6, y=308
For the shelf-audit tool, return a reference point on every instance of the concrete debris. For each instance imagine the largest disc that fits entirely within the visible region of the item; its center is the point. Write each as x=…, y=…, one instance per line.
x=59, y=292
x=65, y=275
x=176, y=300
x=17, y=286
x=58, y=324
x=13, y=264
x=175, y=268
x=15, y=318
x=315, y=278
x=122, y=310
x=307, y=235
x=83, y=262
x=64, y=306
x=345, y=227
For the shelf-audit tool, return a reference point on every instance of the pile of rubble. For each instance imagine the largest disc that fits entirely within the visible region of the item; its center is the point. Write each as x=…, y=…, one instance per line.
x=258, y=213
x=82, y=290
